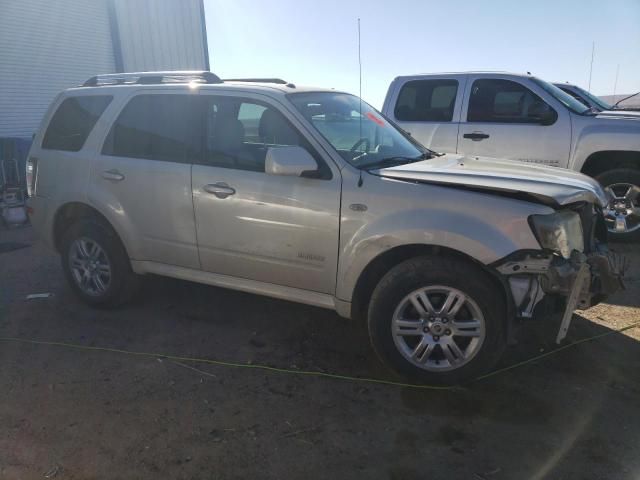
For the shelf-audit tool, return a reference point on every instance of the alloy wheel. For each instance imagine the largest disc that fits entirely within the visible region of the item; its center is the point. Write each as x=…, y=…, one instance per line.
x=90, y=266
x=622, y=215
x=438, y=328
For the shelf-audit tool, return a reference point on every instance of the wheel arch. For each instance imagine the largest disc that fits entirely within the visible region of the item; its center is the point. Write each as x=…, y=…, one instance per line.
x=605, y=160
x=70, y=213
x=385, y=261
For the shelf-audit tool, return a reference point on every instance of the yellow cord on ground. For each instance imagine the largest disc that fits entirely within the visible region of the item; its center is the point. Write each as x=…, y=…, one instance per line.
x=290, y=371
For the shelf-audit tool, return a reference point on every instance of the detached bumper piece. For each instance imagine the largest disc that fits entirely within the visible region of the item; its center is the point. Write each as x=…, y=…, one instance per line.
x=584, y=280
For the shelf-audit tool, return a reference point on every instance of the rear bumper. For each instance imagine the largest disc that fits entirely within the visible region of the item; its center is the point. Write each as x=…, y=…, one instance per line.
x=42, y=223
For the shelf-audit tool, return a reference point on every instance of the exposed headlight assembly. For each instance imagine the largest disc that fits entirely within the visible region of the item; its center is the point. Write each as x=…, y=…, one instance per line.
x=560, y=232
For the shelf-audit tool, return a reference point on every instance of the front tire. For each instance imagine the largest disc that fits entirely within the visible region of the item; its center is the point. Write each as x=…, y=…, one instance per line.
x=438, y=320
x=96, y=264
x=622, y=215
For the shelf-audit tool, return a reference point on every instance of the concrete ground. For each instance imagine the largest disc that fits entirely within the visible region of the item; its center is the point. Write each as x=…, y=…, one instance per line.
x=75, y=414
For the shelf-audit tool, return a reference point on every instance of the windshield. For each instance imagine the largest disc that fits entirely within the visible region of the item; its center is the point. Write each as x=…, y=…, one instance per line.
x=598, y=101
x=358, y=132
x=563, y=97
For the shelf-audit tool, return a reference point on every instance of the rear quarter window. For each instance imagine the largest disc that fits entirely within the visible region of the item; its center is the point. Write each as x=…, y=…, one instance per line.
x=156, y=127
x=73, y=121
x=426, y=101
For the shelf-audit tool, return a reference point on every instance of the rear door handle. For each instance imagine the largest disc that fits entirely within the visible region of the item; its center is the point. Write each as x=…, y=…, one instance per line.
x=220, y=189
x=476, y=136
x=113, y=175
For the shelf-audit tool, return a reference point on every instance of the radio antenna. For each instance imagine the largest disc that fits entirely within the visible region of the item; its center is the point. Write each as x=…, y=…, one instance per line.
x=593, y=51
x=360, y=92
x=360, y=77
x=359, y=61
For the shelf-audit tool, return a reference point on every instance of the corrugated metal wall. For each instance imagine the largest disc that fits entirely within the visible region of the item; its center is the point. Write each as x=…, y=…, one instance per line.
x=45, y=47
x=161, y=35
x=49, y=45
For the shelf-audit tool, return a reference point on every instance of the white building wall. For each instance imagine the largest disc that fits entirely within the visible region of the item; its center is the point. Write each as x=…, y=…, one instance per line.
x=45, y=47
x=161, y=35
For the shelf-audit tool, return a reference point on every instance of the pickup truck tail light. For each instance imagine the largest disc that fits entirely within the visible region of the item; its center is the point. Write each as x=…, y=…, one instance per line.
x=31, y=175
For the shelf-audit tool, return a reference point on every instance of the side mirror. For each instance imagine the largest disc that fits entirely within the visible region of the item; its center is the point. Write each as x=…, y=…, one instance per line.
x=292, y=161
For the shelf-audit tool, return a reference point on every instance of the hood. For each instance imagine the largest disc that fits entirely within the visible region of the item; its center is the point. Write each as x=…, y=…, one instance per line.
x=548, y=185
x=627, y=114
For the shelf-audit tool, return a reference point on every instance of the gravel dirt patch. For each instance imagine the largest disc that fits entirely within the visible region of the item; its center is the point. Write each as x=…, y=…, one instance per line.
x=70, y=414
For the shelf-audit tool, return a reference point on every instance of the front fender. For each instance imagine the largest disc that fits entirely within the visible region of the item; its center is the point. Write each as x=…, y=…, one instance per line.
x=484, y=227
x=605, y=134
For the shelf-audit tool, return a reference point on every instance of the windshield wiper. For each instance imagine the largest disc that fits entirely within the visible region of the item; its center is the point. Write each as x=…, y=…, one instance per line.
x=395, y=161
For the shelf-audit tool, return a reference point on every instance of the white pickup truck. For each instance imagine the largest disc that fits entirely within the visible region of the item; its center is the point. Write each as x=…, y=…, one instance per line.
x=520, y=117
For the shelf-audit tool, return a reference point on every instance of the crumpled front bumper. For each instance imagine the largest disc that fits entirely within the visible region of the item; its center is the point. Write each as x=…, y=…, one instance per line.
x=604, y=276
x=584, y=280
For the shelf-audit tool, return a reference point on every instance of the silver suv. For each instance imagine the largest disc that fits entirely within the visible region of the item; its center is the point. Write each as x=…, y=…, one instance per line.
x=313, y=196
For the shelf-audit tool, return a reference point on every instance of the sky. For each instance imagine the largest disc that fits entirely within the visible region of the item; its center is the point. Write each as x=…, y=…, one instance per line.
x=311, y=42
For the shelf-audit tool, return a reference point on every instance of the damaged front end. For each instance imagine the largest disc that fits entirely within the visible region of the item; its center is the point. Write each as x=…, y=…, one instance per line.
x=574, y=270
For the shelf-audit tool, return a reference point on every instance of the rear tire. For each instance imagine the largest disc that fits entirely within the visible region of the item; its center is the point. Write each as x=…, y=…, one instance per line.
x=619, y=180
x=96, y=264
x=456, y=336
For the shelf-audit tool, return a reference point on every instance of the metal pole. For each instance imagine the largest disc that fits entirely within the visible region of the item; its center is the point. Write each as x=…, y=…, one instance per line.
x=593, y=49
x=615, y=84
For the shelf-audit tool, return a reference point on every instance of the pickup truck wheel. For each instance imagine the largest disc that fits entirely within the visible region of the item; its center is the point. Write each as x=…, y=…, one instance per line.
x=96, y=264
x=622, y=215
x=437, y=320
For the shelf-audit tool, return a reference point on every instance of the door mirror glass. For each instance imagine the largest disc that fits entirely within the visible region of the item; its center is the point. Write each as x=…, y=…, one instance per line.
x=290, y=161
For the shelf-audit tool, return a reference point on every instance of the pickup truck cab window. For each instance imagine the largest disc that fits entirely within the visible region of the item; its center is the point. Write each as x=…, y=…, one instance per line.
x=427, y=101
x=504, y=101
x=575, y=95
x=563, y=97
x=585, y=97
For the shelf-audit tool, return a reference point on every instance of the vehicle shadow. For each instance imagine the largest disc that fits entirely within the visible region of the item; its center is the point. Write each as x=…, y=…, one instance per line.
x=630, y=296
x=285, y=334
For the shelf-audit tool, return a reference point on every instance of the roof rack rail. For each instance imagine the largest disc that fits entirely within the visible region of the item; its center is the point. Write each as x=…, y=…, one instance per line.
x=151, y=78
x=279, y=81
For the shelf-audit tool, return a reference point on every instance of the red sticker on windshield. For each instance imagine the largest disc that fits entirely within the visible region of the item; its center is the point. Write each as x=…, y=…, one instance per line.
x=373, y=118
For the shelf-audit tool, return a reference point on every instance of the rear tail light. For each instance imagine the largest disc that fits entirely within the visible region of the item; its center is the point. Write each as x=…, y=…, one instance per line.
x=31, y=175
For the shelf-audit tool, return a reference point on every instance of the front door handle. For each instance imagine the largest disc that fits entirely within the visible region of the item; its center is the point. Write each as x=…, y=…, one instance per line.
x=220, y=189
x=113, y=175
x=476, y=136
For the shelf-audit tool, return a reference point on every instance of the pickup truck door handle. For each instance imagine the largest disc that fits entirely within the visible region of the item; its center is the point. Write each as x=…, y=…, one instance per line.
x=220, y=189
x=476, y=136
x=113, y=175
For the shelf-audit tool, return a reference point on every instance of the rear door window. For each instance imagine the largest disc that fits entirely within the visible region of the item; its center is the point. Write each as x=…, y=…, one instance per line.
x=73, y=121
x=155, y=127
x=503, y=101
x=426, y=101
